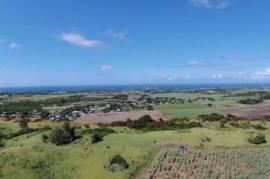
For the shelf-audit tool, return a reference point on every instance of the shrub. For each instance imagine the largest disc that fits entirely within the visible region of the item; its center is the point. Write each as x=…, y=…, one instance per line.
x=206, y=139
x=141, y=122
x=222, y=123
x=63, y=136
x=45, y=138
x=1, y=138
x=211, y=117
x=259, y=127
x=250, y=101
x=244, y=125
x=24, y=125
x=259, y=139
x=118, y=163
x=234, y=124
x=96, y=137
x=149, y=107
x=104, y=131
x=86, y=126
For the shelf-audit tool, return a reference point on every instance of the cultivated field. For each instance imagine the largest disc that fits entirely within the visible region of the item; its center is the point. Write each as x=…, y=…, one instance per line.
x=249, y=112
x=118, y=116
x=211, y=163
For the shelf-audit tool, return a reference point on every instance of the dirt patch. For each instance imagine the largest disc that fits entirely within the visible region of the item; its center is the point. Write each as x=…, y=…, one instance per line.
x=249, y=112
x=118, y=116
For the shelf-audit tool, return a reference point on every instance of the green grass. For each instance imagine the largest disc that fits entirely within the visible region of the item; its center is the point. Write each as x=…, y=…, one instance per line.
x=185, y=110
x=27, y=157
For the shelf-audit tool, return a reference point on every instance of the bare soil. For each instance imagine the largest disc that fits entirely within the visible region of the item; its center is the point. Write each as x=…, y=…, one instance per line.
x=118, y=116
x=249, y=112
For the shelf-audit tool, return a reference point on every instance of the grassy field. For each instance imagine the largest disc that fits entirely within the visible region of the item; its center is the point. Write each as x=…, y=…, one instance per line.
x=185, y=110
x=27, y=156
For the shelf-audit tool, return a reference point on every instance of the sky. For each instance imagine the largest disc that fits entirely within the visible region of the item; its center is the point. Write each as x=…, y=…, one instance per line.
x=95, y=42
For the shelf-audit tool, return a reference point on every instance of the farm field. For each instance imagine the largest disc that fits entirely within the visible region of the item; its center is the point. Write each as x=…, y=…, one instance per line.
x=211, y=163
x=250, y=112
x=118, y=116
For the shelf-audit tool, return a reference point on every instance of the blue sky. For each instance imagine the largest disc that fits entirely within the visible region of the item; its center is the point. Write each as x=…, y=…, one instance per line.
x=89, y=42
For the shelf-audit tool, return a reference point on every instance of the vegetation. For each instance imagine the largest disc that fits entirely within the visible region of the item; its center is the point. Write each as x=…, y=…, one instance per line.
x=118, y=163
x=96, y=137
x=217, y=144
x=258, y=139
x=230, y=163
x=250, y=101
x=62, y=136
x=23, y=107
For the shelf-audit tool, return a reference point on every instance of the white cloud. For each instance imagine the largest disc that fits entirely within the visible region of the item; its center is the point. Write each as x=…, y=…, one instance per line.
x=195, y=62
x=261, y=74
x=79, y=40
x=14, y=45
x=117, y=35
x=217, y=76
x=105, y=68
x=215, y=4
x=266, y=72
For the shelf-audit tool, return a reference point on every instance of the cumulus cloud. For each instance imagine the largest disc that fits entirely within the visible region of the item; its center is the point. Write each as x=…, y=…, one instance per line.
x=117, y=35
x=14, y=45
x=105, y=68
x=77, y=39
x=215, y=4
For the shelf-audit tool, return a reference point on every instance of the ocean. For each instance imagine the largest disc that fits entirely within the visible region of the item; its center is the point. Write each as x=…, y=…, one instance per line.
x=44, y=89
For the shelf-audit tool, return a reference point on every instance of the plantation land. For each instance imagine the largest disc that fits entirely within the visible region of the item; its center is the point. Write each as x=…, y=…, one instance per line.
x=219, y=163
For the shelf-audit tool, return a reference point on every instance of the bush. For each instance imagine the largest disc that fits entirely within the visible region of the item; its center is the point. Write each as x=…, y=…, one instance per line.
x=24, y=125
x=259, y=127
x=63, y=136
x=45, y=138
x=206, y=139
x=1, y=138
x=149, y=107
x=141, y=122
x=259, y=139
x=211, y=117
x=222, y=123
x=250, y=101
x=118, y=163
x=96, y=137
